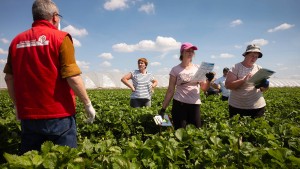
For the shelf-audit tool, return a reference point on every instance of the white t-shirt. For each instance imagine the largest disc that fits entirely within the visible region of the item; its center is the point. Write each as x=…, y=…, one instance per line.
x=186, y=92
x=221, y=81
x=246, y=96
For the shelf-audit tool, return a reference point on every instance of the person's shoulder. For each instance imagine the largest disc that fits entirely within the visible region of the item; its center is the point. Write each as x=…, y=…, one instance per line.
x=176, y=66
x=217, y=80
x=21, y=34
x=237, y=65
x=176, y=69
x=196, y=66
x=65, y=33
x=62, y=34
x=220, y=78
x=135, y=71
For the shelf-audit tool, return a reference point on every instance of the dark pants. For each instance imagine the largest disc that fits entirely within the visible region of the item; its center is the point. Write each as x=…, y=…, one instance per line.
x=135, y=103
x=254, y=113
x=60, y=131
x=224, y=98
x=211, y=91
x=184, y=114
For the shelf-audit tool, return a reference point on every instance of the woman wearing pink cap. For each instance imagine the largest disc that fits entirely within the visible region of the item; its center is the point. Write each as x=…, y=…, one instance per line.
x=186, y=97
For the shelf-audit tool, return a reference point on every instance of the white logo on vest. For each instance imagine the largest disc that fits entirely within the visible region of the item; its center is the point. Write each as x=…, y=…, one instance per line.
x=42, y=41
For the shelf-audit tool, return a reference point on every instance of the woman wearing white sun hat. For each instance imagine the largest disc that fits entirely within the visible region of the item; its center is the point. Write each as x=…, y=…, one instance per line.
x=245, y=98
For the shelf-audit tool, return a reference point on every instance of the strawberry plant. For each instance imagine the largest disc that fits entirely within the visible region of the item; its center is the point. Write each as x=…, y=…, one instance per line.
x=125, y=137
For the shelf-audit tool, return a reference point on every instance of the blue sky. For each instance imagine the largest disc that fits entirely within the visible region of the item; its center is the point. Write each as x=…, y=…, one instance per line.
x=110, y=35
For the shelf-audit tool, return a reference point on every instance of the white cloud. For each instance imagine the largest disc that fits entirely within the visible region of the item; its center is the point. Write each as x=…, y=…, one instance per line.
x=3, y=52
x=222, y=55
x=112, y=5
x=281, y=27
x=106, y=56
x=259, y=42
x=146, y=45
x=83, y=65
x=162, y=55
x=106, y=64
x=5, y=41
x=226, y=55
x=166, y=43
x=238, y=46
x=123, y=47
x=74, y=31
x=161, y=44
x=283, y=68
x=236, y=23
x=155, y=63
x=76, y=42
x=147, y=8
x=176, y=56
x=3, y=61
x=116, y=70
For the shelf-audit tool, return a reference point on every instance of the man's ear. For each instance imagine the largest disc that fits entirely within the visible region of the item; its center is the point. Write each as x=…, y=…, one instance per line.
x=54, y=20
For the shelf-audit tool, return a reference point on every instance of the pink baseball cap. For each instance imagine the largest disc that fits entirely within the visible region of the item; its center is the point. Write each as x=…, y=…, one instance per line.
x=187, y=45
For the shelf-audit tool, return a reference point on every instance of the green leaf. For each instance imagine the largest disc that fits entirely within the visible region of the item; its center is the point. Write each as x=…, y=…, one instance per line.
x=87, y=147
x=37, y=160
x=276, y=154
x=50, y=160
x=115, y=150
x=18, y=161
x=216, y=141
x=145, y=153
x=181, y=134
x=46, y=147
x=295, y=160
x=119, y=162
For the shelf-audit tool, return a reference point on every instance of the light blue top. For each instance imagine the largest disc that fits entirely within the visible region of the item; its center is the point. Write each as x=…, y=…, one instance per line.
x=221, y=81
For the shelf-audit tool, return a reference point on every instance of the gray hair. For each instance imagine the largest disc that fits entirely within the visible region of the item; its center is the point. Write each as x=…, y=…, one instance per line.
x=43, y=9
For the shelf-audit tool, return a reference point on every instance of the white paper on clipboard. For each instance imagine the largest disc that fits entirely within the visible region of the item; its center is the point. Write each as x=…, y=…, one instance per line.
x=260, y=75
x=204, y=68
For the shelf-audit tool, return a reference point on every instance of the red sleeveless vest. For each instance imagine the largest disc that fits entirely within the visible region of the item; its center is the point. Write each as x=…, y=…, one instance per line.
x=40, y=91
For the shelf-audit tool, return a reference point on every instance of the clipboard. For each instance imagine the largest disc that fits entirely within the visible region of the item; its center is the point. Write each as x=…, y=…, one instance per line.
x=260, y=75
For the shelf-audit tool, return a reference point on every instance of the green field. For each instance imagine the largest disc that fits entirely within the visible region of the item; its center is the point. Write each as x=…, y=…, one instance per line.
x=124, y=137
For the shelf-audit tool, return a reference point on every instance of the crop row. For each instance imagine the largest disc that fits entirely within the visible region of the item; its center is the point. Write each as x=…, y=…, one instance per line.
x=124, y=137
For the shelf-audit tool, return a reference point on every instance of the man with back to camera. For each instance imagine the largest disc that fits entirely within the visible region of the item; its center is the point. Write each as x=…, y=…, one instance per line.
x=42, y=77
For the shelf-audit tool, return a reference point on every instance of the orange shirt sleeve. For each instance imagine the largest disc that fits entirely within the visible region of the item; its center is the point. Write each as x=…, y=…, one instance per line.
x=67, y=59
